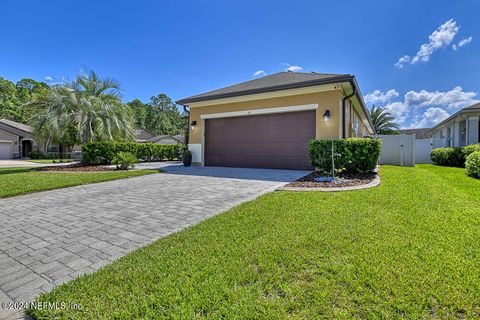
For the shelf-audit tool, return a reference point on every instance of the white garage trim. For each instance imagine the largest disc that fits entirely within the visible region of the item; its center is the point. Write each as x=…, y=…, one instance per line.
x=259, y=111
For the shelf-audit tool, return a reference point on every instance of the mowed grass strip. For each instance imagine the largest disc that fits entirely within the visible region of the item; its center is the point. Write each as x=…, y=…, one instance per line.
x=17, y=181
x=47, y=161
x=406, y=249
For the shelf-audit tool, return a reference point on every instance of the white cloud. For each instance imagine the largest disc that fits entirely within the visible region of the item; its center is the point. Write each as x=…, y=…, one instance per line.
x=430, y=117
x=294, y=68
x=421, y=108
x=403, y=61
x=380, y=97
x=465, y=41
x=259, y=73
x=289, y=67
x=453, y=99
x=440, y=38
x=48, y=78
x=398, y=110
x=462, y=43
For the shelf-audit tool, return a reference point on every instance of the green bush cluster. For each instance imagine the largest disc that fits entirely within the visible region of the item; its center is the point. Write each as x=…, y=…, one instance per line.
x=104, y=152
x=354, y=155
x=453, y=157
x=124, y=160
x=472, y=164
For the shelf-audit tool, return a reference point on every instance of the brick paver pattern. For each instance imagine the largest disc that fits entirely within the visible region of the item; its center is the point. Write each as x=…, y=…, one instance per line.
x=51, y=237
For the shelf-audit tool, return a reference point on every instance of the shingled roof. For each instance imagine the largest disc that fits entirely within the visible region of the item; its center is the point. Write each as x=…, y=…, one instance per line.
x=419, y=133
x=277, y=81
x=17, y=125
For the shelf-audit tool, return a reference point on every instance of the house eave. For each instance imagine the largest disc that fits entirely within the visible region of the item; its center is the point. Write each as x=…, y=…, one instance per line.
x=303, y=84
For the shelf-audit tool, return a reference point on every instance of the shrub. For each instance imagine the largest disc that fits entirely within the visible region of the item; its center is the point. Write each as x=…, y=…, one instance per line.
x=354, y=155
x=467, y=150
x=35, y=155
x=124, y=160
x=472, y=165
x=104, y=152
x=98, y=152
x=453, y=157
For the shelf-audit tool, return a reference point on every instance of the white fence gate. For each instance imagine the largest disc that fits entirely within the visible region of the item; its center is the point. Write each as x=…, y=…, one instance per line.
x=423, y=148
x=398, y=150
x=405, y=150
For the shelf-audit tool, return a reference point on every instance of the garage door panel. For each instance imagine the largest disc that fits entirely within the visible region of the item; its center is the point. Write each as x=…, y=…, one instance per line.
x=5, y=150
x=260, y=141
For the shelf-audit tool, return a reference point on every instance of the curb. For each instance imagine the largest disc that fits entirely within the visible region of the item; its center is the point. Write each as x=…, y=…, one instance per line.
x=374, y=183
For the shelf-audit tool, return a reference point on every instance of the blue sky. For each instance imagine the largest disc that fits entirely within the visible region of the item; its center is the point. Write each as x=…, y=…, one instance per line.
x=186, y=47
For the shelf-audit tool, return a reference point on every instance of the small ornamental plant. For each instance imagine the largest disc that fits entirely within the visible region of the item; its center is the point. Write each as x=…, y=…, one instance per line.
x=124, y=160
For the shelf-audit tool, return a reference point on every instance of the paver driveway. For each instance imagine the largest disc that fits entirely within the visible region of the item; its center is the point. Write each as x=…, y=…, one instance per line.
x=51, y=237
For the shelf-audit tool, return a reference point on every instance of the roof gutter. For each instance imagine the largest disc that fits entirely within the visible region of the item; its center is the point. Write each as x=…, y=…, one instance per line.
x=354, y=92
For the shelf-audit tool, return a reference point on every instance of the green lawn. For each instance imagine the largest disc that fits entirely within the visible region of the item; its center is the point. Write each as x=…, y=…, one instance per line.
x=406, y=249
x=43, y=161
x=16, y=181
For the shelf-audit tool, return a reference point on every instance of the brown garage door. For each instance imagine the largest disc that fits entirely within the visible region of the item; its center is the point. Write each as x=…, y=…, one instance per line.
x=260, y=141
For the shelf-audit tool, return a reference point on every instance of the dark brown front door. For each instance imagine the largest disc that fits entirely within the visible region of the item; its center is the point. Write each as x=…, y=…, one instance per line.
x=261, y=141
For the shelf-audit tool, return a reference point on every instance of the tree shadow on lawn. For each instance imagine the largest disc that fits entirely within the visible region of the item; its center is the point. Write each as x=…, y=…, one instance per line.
x=14, y=170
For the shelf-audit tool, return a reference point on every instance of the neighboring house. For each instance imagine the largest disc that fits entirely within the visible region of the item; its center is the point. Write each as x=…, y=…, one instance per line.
x=268, y=122
x=419, y=133
x=16, y=139
x=168, y=139
x=144, y=135
x=460, y=129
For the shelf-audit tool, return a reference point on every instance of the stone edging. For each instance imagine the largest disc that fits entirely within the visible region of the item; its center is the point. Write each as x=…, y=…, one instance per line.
x=375, y=182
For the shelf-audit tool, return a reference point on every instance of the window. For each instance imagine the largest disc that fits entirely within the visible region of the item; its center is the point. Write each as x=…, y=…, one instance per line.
x=356, y=125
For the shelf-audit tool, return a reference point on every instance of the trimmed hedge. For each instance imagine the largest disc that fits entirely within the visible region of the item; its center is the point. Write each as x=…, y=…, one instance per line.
x=472, y=165
x=104, y=152
x=354, y=155
x=453, y=157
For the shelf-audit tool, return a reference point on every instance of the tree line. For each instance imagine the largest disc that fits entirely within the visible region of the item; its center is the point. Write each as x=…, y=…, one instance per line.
x=85, y=109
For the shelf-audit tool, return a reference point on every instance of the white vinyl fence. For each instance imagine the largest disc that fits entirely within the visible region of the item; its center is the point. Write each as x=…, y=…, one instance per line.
x=405, y=150
x=398, y=150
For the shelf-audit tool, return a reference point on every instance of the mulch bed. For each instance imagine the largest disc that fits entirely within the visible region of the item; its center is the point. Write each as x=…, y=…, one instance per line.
x=341, y=180
x=77, y=167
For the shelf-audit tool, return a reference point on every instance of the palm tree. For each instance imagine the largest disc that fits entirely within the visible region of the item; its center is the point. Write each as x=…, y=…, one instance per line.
x=383, y=121
x=88, y=106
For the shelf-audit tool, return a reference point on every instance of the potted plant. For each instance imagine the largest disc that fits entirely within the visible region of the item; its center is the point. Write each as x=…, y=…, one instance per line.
x=187, y=158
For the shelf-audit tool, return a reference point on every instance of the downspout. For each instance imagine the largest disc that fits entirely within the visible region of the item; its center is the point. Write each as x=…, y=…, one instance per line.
x=188, y=123
x=344, y=107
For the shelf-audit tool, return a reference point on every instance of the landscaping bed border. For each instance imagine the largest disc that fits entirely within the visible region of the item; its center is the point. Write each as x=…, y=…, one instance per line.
x=374, y=183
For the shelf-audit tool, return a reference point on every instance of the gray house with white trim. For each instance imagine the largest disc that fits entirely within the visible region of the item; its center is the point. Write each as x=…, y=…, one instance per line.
x=460, y=129
x=16, y=139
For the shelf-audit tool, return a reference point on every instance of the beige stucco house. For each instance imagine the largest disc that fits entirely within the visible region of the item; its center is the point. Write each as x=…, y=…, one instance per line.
x=460, y=129
x=268, y=122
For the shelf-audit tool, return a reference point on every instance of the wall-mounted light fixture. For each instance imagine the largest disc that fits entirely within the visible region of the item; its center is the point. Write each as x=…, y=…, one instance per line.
x=326, y=116
x=193, y=124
